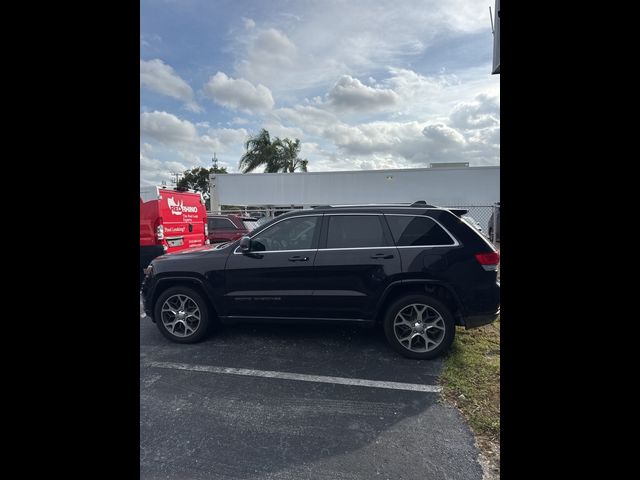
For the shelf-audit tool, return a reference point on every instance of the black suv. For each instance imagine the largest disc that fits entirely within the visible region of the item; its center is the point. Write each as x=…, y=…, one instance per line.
x=419, y=270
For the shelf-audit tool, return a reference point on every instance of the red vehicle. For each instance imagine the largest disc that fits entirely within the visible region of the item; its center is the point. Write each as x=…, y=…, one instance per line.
x=227, y=228
x=170, y=220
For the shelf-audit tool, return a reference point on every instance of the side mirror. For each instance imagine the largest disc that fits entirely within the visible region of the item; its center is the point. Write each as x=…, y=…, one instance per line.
x=245, y=244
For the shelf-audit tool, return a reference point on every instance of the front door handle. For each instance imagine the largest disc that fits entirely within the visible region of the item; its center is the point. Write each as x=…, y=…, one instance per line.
x=381, y=255
x=298, y=258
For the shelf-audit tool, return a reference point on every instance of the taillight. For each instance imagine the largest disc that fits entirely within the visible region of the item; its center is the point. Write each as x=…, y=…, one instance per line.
x=489, y=261
x=206, y=229
x=160, y=232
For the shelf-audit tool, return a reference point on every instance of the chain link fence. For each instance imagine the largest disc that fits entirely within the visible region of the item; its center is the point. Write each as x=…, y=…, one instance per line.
x=480, y=215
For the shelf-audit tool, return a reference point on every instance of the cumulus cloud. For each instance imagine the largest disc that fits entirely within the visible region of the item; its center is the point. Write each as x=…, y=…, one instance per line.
x=169, y=130
x=358, y=95
x=310, y=118
x=354, y=38
x=442, y=136
x=271, y=54
x=409, y=144
x=393, y=144
x=174, y=166
x=400, y=139
x=238, y=94
x=161, y=78
x=351, y=94
x=483, y=112
x=148, y=164
x=178, y=139
x=275, y=45
x=276, y=129
x=377, y=162
x=229, y=136
x=153, y=171
x=431, y=123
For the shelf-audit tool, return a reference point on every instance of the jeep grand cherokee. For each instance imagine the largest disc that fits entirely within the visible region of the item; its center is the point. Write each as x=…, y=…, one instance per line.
x=419, y=270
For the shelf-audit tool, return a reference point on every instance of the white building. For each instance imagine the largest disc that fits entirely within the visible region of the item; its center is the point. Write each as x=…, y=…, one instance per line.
x=461, y=186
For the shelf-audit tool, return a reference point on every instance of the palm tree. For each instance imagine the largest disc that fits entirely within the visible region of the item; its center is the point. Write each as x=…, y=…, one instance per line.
x=277, y=155
x=288, y=153
x=260, y=151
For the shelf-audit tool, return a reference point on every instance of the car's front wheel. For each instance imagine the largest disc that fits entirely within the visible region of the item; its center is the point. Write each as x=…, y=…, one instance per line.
x=182, y=315
x=419, y=326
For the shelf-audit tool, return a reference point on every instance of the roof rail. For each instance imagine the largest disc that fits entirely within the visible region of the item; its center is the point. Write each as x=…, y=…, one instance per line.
x=419, y=203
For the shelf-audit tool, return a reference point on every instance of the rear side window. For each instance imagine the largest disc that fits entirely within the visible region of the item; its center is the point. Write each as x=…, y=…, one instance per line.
x=221, y=223
x=355, y=231
x=415, y=231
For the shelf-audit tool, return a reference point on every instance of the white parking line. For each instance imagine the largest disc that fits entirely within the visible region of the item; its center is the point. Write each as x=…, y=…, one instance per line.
x=298, y=376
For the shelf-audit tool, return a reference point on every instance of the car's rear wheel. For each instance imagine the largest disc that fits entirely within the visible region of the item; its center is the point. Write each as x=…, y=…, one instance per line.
x=419, y=326
x=182, y=315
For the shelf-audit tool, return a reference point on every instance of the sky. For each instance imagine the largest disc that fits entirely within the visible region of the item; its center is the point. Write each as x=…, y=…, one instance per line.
x=364, y=84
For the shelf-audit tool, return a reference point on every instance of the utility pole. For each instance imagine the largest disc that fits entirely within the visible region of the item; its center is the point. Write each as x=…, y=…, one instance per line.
x=177, y=174
x=215, y=161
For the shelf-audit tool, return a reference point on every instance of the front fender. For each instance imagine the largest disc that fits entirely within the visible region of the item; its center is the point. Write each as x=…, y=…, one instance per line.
x=161, y=280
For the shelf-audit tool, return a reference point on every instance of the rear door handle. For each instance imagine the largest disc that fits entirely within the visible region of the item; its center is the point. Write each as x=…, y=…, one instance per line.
x=381, y=255
x=298, y=258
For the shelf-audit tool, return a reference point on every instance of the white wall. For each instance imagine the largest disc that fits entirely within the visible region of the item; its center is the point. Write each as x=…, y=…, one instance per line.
x=438, y=186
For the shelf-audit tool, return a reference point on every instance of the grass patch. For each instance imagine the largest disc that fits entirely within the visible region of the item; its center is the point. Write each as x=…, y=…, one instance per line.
x=471, y=380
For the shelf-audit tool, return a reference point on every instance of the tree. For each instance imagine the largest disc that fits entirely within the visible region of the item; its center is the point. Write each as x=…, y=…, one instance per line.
x=259, y=151
x=198, y=179
x=276, y=156
x=288, y=153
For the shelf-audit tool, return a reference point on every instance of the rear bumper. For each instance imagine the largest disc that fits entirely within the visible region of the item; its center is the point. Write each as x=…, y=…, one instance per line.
x=474, y=321
x=482, y=304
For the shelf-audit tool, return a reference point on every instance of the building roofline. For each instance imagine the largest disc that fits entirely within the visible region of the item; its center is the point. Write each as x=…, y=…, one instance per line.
x=425, y=169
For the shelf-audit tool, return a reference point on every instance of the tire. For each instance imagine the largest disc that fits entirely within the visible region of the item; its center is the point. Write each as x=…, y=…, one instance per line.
x=436, y=322
x=182, y=301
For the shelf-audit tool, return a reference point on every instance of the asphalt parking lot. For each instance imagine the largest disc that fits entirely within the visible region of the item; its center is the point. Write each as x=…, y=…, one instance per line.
x=295, y=402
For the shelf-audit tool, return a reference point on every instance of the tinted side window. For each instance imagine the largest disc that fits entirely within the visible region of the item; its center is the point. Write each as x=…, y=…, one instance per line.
x=353, y=231
x=410, y=231
x=221, y=223
x=290, y=234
